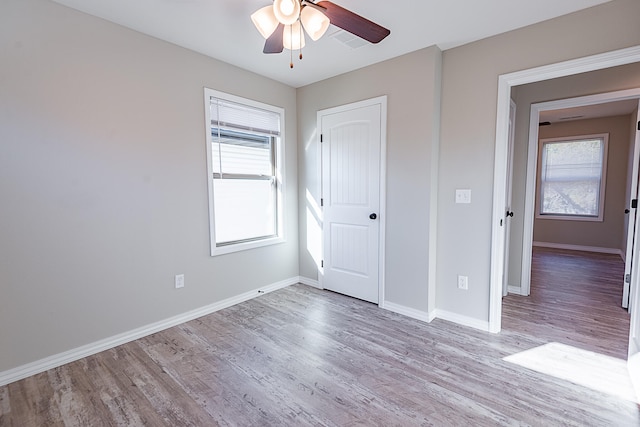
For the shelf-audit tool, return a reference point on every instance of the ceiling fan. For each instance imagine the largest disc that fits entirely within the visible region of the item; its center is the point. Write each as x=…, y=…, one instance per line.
x=282, y=23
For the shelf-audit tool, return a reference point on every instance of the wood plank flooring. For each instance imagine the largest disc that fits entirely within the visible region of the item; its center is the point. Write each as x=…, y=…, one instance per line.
x=576, y=299
x=303, y=357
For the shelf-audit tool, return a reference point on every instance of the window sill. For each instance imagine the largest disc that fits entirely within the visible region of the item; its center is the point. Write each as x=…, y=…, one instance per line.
x=571, y=218
x=237, y=247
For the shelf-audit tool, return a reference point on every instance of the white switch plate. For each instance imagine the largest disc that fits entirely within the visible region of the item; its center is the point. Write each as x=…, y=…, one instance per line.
x=463, y=282
x=463, y=196
x=179, y=281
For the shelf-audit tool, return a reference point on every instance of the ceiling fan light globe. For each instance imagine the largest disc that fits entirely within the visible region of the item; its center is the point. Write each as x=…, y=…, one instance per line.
x=286, y=11
x=293, y=37
x=314, y=22
x=265, y=21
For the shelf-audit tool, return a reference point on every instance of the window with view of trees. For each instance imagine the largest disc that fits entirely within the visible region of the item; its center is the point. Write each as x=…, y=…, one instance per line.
x=245, y=177
x=571, y=177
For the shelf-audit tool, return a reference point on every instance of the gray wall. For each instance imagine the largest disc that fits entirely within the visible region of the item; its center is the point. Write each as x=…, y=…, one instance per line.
x=103, y=181
x=411, y=83
x=607, y=233
x=607, y=80
x=469, y=97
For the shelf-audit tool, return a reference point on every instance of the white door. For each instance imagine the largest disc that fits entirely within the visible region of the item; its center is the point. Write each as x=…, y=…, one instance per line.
x=634, y=333
x=634, y=305
x=508, y=212
x=351, y=141
x=631, y=235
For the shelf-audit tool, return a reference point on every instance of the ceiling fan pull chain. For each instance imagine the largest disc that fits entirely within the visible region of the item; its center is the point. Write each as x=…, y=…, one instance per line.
x=301, y=35
x=291, y=51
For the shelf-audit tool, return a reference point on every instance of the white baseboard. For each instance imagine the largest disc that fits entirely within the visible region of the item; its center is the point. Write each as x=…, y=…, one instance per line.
x=597, y=249
x=517, y=290
x=408, y=311
x=24, y=371
x=310, y=282
x=462, y=320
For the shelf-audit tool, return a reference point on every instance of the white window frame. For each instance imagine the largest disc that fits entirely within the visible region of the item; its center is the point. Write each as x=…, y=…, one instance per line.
x=279, y=237
x=603, y=178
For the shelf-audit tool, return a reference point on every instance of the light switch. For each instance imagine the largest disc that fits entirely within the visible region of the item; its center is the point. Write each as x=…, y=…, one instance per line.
x=463, y=196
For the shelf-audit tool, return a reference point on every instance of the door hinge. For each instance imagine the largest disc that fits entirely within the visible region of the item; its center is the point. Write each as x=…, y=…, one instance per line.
x=638, y=125
x=634, y=203
x=321, y=202
x=322, y=263
x=627, y=278
x=321, y=138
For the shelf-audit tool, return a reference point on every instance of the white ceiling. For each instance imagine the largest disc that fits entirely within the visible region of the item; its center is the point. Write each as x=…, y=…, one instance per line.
x=607, y=109
x=223, y=29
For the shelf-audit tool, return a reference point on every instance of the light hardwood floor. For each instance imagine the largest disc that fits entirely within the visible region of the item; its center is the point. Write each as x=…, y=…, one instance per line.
x=576, y=298
x=300, y=356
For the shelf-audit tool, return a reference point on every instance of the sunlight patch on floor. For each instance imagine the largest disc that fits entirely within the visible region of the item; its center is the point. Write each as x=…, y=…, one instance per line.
x=634, y=372
x=596, y=371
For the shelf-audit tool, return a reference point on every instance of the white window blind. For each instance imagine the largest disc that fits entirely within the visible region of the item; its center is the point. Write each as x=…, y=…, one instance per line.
x=234, y=116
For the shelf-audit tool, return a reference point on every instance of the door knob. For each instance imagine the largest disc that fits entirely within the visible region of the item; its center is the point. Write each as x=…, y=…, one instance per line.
x=373, y=216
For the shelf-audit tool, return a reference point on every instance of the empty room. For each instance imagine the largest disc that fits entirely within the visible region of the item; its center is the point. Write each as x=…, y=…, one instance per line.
x=219, y=212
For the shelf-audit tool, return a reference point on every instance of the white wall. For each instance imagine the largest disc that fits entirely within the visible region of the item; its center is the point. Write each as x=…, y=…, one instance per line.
x=411, y=83
x=103, y=181
x=469, y=97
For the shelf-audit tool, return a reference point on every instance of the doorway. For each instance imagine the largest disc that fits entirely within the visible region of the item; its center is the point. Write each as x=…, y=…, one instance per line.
x=505, y=83
x=575, y=264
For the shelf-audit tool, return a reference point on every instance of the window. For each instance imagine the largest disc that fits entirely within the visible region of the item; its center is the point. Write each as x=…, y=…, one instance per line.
x=571, y=177
x=244, y=162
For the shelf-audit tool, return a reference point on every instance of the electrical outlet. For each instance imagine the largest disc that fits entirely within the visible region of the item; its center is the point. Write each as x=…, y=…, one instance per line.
x=463, y=282
x=179, y=281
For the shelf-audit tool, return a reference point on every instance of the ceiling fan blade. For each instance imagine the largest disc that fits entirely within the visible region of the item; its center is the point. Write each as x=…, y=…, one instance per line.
x=274, y=43
x=353, y=23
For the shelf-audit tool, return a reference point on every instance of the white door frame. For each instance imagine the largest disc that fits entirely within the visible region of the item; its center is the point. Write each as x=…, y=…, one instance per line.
x=382, y=101
x=632, y=222
x=633, y=360
x=509, y=198
x=532, y=166
x=505, y=83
